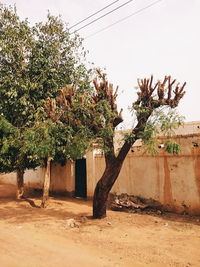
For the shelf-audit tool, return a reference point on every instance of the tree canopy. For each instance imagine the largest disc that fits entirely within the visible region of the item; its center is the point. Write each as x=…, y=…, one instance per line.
x=35, y=63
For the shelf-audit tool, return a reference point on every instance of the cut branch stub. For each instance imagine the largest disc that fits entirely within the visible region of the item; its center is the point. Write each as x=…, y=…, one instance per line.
x=105, y=91
x=55, y=108
x=165, y=94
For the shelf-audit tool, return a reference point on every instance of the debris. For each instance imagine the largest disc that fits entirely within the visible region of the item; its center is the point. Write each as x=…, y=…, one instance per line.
x=72, y=223
x=159, y=212
x=165, y=224
x=124, y=202
x=127, y=204
x=109, y=223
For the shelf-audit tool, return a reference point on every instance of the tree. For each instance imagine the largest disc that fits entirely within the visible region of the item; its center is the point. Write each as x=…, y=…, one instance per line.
x=15, y=45
x=35, y=63
x=150, y=98
x=61, y=136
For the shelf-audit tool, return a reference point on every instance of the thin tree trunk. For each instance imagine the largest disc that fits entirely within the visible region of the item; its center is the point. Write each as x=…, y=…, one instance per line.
x=46, y=183
x=20, y=184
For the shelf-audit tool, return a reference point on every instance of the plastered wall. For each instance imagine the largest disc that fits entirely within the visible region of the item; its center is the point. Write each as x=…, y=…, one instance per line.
x=172, y=180
x=32, y=179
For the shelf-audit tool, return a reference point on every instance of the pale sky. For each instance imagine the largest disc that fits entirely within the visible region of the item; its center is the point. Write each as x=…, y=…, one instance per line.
x=161, y=40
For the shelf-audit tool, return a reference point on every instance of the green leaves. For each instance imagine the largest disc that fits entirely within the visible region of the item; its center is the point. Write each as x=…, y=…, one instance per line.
x=167, y=120
x=35, y=63
x=172, y=147
x=129, y=137
x=162, y=123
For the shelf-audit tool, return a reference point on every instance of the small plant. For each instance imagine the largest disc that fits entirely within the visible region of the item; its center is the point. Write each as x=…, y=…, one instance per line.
x=172, y=147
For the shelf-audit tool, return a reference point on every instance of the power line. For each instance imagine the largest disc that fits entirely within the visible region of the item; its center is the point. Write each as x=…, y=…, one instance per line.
x=93, y=14
x=135, y=13
x=103, y=16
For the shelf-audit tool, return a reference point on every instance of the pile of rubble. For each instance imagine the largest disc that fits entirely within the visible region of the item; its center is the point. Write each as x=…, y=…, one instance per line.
x=124, y=202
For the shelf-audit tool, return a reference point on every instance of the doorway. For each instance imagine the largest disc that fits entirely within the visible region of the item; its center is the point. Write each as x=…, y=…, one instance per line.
x=80, y=178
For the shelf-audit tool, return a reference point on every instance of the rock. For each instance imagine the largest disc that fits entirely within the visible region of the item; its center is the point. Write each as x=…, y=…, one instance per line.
x=72, y=223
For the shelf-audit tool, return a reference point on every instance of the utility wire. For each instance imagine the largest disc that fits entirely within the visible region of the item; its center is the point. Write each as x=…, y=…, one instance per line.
x=133, y=14
x=102, y=16
x=93, y=14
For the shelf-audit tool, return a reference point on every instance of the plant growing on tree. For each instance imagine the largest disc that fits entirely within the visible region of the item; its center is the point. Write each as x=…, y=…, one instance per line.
x=150, y=98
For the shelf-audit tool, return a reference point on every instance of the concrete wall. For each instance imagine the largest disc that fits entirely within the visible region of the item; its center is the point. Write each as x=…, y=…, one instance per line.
x=172, y=180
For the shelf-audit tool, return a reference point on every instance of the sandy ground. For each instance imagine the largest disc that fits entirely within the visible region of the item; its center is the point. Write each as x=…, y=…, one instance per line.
x=34, y=237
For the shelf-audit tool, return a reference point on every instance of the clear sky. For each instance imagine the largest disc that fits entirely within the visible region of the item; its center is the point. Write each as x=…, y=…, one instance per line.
x=161, y=40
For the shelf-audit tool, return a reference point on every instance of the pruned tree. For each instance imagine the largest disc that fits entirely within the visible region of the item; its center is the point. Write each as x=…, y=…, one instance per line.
x=68, y=137
x=150, y=97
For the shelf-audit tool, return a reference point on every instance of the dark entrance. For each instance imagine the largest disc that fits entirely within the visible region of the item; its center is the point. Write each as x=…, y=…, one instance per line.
x=80, y=178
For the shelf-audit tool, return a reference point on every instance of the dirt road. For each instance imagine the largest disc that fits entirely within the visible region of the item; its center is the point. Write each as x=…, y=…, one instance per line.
x=34, y=237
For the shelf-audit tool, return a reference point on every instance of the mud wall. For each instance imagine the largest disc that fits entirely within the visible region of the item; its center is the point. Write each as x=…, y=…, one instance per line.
x=32, y=179
x=172, y=180
x=62, y=180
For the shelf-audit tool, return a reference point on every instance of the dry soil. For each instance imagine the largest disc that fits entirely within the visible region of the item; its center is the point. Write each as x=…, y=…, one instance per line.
x=65, y=235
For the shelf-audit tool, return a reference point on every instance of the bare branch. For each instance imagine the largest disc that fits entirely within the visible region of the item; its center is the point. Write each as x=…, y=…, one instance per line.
x=104, y=91
x=165, y=93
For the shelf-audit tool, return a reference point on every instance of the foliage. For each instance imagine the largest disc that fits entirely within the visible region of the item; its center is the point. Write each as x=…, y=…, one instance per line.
x=129, y=137
x=162, y=122
x=149, y=138
x=16, y=40
x=35, y=63
x=12, y=143
x=167, y=120
x=172, y=147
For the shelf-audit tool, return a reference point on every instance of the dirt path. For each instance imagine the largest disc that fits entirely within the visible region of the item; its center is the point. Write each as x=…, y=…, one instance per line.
x=42, y=237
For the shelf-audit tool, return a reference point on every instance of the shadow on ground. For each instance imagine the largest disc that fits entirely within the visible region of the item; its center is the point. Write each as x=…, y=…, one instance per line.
x=28, y=210
x=63, y=208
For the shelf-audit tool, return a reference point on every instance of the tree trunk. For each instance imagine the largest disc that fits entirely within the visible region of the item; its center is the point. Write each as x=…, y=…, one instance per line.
x=104, y=186
x=110, y=175
x=20, y=184
x=46, y=183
